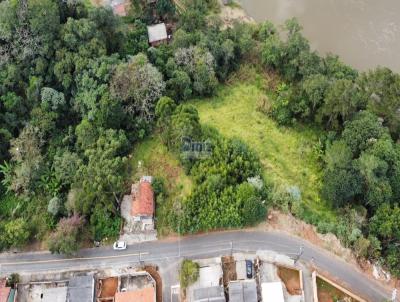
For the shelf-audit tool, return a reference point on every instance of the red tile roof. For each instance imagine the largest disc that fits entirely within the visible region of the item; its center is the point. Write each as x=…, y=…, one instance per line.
x=143, y=201
x=143, y=295
x=4, y=292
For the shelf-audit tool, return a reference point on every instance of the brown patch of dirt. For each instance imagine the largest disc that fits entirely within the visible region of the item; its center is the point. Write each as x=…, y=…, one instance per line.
x=108, y=287
x=229, y=269
x=153, y=271
x=291, y=279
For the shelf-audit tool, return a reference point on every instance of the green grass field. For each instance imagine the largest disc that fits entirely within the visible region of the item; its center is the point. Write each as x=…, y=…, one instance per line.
x=286, y=153
x=159, y=162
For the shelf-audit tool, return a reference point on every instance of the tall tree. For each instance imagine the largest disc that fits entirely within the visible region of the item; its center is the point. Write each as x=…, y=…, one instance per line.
x=139, y=85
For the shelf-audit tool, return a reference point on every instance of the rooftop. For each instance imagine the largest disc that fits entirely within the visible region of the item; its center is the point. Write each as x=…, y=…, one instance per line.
x=50, y=294
x=243, y=291
x=81, y=289
x=241, y=270
x=272, y=292
x=157, y=32
x=210, y=275
x=4, y=292
x=213, y=293
x=143, y=201
x=141, y=295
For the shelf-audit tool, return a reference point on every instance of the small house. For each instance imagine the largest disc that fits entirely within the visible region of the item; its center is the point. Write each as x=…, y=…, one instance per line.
x=143, y=204
x=157, y=34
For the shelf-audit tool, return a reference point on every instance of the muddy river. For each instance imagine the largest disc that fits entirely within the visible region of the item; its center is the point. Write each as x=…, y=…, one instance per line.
x=364, y=33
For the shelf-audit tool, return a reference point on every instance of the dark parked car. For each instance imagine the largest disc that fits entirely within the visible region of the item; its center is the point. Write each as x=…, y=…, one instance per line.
x=249, y=269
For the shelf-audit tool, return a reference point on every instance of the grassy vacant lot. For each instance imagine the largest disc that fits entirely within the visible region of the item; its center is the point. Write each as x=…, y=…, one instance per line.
x=159, y=162
x=287, y=154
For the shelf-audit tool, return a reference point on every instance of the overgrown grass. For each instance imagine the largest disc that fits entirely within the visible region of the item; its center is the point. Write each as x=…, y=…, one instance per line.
x=159, y=162
x=327, y=292
x=287, y=153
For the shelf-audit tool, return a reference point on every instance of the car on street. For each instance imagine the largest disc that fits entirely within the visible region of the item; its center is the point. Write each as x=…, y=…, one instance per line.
x=119, y=245
x=249, y=269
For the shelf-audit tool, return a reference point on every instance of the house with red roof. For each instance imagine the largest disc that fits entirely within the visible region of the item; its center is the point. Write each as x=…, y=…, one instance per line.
x=143, y=203
x=138, y=212
x=143, y=200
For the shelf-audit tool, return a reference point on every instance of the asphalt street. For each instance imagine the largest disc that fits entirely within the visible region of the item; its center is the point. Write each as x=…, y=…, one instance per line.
x=198, y=246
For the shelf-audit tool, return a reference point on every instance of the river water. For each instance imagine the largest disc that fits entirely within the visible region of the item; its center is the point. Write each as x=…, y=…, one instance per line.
x=364, y=33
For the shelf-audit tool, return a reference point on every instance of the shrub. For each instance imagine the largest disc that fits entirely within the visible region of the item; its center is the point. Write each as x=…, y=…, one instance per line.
x=326, y=227
x=189, y=273
x=65, y=239
x=104, y=224
x=16, y=232
x=361, y=247
x=158, y=185
x=54, y=206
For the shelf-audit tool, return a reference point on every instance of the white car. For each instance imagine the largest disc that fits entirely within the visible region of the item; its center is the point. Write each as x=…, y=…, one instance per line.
x=119, y=245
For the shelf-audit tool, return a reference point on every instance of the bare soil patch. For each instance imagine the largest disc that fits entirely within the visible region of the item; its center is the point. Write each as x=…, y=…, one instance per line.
x=108, y=287
x=291, y=279
x=152, y=270
x=229, y=269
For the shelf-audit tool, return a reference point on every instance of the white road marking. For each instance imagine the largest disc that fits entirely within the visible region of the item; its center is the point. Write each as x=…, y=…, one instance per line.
x=75, y=259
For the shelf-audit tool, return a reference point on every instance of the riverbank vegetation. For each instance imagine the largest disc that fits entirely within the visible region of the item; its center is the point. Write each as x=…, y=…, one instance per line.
x=79, y=88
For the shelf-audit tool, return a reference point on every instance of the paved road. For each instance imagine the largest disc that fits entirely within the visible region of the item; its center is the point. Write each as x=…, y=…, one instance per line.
x=199, y=246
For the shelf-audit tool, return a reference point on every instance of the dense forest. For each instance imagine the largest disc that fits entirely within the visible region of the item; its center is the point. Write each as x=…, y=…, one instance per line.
x=80, y=86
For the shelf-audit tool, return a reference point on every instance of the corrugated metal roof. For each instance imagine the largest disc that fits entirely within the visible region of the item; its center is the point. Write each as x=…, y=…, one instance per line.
x=243, y=291
x=157, y=32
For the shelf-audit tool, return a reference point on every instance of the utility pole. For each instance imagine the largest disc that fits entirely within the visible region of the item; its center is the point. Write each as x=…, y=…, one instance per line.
x=231, y=248
x=301, y=251
x=394, y=295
